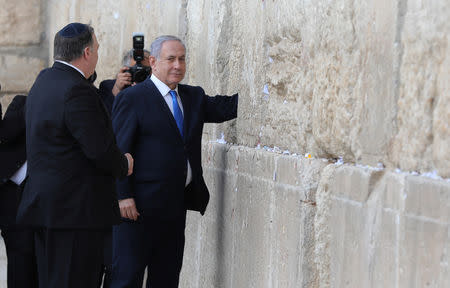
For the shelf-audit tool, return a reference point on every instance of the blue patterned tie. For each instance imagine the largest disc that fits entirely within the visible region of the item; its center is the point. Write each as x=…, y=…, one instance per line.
x=177, y=114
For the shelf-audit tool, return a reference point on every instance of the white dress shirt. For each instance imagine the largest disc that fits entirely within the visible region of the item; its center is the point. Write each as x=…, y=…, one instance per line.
x=20, y=174
x=164, y=90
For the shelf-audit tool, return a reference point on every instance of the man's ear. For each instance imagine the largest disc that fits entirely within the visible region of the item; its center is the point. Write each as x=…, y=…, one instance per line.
x=86, y=52
x=152, y=60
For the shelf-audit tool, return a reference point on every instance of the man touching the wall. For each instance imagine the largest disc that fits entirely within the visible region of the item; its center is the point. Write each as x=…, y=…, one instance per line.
x=161, y=122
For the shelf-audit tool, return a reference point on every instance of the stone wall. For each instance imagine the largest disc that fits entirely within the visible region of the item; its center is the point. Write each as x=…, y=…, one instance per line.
x=23, y=51
x=360, y=87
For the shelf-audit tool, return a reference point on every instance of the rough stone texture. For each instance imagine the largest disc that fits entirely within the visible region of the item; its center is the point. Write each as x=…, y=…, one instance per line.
x=333, y=78
x=259, y=228
x=20, y=22
x=385, y=239
x=5, y=100
x=365, y=81
x=19, y=72
x=423, y=98
x=3, y=264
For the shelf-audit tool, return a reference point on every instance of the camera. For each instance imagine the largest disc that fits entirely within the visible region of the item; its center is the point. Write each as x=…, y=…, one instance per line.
x=139, y=72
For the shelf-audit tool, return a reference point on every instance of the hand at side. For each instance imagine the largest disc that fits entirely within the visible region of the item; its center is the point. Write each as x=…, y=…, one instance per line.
x=128, y=209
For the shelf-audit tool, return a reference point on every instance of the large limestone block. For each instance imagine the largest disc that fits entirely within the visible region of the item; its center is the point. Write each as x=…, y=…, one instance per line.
x=253, y=230
x=218, y=232
x=292, y=239
x=257, y=163
x=17, y=73
x=423, y=253
x=381, y=229
x=3, y=263
x=220, y=157
x=423, y=99
x=348, y=250
x=381, y=268
x=303, y=173
x=355, y=183
x=364, y=240
x=329, y=77
x=427, y=198
x=20, y=22
x=394, y=195
x=258, y=208
x=120, y=19
x=191, y=258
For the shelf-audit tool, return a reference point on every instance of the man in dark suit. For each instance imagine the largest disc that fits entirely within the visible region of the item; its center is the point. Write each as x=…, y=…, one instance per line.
x=161, y=123
x=108, y=90
x=22, y=269
x=73, y=160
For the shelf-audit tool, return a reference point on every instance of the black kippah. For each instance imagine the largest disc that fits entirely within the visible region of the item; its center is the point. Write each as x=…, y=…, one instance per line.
x=72, y=30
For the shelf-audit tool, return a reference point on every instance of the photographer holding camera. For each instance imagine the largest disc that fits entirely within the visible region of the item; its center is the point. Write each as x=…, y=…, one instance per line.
x=136, y=68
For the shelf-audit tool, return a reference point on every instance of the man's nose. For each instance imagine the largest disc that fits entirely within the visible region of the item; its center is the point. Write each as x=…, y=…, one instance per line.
x=177, y=63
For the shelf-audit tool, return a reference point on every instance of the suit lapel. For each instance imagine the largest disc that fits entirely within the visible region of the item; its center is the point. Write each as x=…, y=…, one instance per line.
x=154, y=92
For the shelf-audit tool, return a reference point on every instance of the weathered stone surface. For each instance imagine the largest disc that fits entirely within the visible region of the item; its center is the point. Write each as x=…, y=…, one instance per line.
x=292, y=249
x=363, y=80
x=5, y=100
x=258, y=163
x=355, y=183
x=17, y=73
x=253, y=229
x=423, y=254
x=3, y=264
x=384, y=239
x=427, y=198
x=423, y=127
x=330, y=77
x=394, y=196
x=20, y=22
x=253, y=211
x=218, y=229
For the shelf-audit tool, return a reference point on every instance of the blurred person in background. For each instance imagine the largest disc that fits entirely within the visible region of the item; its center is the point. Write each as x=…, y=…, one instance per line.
x=19, y=240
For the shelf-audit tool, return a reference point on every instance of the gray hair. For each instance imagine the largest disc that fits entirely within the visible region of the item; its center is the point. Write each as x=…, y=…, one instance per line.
x=128, y=55
x=68, y=49
x=155, y=48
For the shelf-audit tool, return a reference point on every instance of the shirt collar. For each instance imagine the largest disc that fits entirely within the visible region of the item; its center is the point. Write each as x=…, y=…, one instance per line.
x=162, y=87
x=68, y=64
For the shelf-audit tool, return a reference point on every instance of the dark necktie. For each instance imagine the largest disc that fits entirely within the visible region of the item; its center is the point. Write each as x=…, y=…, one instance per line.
x=177, y=114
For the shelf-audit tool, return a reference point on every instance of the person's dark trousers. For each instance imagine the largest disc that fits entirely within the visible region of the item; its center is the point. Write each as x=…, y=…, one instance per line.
x=22, y=268
x=107, y=261
x=19, y=241
x=154, y=243
x=69, y=258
